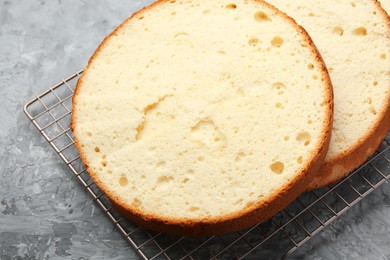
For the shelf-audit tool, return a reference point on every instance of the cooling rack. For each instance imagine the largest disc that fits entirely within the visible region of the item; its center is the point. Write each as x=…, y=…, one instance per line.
x=50, y=112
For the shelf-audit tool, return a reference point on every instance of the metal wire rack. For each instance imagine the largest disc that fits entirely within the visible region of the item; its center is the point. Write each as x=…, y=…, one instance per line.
x=278, y=237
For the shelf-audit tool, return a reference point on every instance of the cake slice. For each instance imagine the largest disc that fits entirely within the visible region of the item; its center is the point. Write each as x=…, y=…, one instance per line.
x=203, y=117
x=354, y=40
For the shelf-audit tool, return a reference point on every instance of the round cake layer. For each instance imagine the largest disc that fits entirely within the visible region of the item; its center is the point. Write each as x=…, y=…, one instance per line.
x=354, y=40
x=202, y=117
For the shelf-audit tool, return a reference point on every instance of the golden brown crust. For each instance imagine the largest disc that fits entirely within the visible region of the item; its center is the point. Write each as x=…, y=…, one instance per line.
x=383, y=9
x=340, y=166
x=230, y=222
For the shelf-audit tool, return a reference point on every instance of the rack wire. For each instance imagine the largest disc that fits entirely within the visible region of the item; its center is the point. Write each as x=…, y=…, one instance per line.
x=50, y=113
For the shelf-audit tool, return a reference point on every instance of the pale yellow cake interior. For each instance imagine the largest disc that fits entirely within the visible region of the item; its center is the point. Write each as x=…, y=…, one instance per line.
x=354, y=40
x=198, y=109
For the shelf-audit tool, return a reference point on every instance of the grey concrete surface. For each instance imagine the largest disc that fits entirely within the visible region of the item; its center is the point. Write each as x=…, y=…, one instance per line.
x=44, y=212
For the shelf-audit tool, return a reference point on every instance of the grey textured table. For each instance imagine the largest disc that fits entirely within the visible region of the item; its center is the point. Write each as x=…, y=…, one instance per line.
x=44, y=212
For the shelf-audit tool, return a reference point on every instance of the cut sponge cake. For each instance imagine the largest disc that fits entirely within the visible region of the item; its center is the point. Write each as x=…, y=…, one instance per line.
x=203, y=117
x=354, y=40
